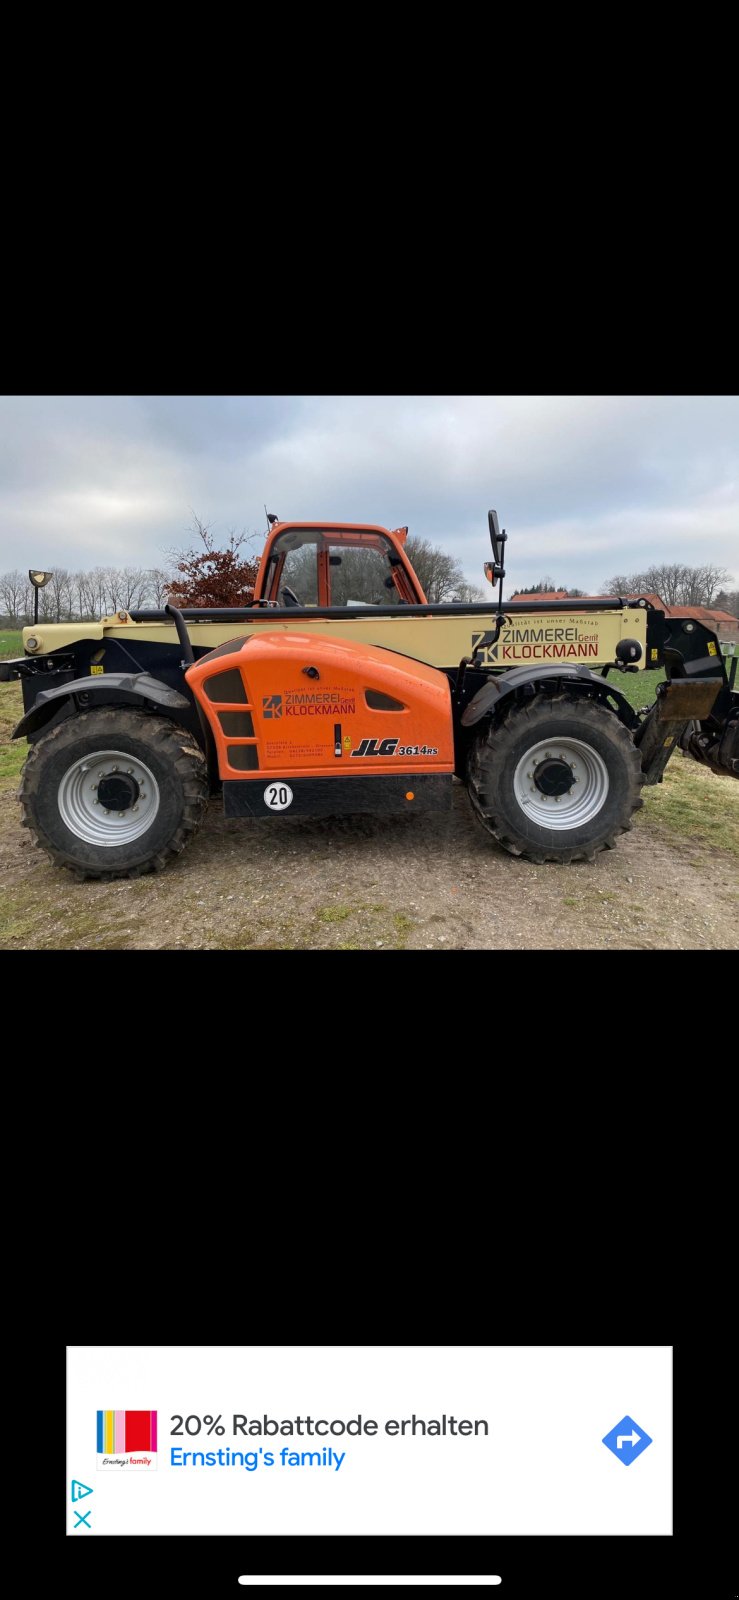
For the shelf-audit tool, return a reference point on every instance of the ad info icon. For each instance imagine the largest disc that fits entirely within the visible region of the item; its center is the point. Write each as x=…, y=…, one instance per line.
x=127, y=1439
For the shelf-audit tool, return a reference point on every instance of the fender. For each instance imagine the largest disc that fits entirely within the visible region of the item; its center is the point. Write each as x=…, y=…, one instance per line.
x=110, y=689
x=523, y=680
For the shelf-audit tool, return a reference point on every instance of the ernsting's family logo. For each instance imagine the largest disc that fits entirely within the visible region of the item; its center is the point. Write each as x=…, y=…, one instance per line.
x=127, y=1439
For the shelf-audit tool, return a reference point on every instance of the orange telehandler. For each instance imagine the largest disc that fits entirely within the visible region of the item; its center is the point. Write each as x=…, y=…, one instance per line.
x=341, y=689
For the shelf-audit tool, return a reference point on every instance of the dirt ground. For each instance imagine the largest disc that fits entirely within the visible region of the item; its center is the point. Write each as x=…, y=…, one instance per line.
x=399, y=883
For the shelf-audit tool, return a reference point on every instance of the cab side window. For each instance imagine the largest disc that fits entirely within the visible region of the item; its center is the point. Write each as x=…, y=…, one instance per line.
x=300, y=573
x=359, y=577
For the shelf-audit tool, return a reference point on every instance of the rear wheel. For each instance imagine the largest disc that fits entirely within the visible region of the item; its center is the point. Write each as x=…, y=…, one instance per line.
x=556, y=779
x=114, y=793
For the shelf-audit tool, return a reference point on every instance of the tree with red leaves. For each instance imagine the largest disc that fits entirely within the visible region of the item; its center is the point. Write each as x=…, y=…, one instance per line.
x=212, y=577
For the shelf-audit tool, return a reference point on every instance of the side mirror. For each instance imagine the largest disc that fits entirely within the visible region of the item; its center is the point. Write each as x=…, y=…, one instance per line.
x=497, y=540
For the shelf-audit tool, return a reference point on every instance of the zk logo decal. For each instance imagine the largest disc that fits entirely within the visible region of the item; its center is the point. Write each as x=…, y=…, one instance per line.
x=543, y=641
x=336, y=702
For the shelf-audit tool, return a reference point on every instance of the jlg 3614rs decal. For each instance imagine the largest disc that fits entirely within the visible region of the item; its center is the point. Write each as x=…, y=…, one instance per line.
x=393, y=747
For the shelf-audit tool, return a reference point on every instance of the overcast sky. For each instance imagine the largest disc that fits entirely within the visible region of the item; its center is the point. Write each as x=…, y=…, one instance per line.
x=586, y=487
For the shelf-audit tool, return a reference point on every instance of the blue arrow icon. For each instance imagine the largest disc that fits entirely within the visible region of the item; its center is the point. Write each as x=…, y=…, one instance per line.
x=79, y=1490
x=627, y=1441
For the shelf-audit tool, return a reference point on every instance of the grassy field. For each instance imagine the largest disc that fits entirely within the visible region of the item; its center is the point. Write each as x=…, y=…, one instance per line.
x=640, y=688
x=12, y=756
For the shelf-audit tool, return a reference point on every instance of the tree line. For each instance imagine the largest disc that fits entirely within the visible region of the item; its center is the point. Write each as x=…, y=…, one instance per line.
x=82, y=596
x=202, y=575
x=206, y=575
x=675, y=583
x=548, y=586
x=679, y=585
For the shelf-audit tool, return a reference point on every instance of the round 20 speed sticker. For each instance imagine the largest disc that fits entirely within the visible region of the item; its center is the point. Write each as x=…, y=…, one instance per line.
x=278, y=796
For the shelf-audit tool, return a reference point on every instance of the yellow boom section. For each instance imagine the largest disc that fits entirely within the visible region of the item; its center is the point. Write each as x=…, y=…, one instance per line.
x=589, y=638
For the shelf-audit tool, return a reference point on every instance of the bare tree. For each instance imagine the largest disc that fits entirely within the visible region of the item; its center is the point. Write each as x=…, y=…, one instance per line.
x=46, y=604
x=91, y=592
x=670, y=581
x=160, y=583
x=83, y=588
x=621, y=585
x=60, y=592
x=112, y=588
x=470, y=594
x=728, y=600
x=13, y=587
x=123, y=587
x=439, y=574
x=676, y=584
x=134, y=584
x=708, y=581
x=99, y=577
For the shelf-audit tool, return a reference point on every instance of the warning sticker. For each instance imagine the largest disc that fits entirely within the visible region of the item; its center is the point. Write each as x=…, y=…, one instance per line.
x=279, y=748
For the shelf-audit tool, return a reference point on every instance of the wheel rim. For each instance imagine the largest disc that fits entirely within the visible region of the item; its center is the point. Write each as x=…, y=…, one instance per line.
x=127, y=784
x=545, y=766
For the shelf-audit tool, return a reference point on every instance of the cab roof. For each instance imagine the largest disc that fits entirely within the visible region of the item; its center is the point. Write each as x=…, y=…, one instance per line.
x=342, y=529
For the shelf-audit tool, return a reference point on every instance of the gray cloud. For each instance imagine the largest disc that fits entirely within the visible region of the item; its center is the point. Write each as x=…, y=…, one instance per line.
x=586, y=486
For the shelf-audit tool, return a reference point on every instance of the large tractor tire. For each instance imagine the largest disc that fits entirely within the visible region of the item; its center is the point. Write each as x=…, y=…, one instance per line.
x=114, y=793
x=556, y=779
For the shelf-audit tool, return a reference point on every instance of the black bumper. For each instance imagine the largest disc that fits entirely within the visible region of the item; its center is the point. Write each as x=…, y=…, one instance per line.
x=336, y=797
x=9, y=670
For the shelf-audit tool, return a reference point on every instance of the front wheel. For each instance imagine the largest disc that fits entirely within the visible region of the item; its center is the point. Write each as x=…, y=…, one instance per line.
x=556, y=779
x=114, y=793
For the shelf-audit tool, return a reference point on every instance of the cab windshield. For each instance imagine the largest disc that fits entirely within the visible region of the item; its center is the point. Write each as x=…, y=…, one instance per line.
x=310, y=568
